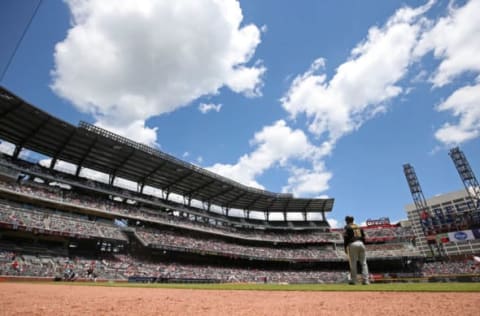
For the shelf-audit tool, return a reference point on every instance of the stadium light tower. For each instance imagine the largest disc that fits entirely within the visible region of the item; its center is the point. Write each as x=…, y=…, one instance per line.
x=415, y=189
x=466, y=174
x=420, y=205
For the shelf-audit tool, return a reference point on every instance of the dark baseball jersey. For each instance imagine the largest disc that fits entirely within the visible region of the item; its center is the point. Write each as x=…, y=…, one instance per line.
x=352, y=232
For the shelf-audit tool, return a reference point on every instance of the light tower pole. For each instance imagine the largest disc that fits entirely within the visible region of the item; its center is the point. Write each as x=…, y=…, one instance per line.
x=415, y=189
x=471, y=185
x=421, y=205
x=466, y=174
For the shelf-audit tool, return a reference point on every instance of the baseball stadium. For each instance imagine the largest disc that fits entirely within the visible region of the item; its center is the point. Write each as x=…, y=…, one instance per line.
x=169, y=223
x=97, y=223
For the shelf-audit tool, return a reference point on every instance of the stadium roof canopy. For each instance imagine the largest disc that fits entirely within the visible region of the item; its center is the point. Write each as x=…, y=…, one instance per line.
x=88, y=146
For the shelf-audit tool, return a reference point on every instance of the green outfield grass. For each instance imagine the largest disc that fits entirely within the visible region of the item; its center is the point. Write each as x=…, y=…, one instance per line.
x=391, y=287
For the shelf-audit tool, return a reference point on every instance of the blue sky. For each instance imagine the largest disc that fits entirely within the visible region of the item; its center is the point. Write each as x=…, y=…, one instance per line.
x=316, y=98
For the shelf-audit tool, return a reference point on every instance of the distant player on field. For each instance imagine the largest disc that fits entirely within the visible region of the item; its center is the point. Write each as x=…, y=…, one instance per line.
x=354, y=243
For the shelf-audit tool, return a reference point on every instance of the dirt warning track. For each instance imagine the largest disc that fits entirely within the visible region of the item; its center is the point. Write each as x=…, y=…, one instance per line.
x=64, y=299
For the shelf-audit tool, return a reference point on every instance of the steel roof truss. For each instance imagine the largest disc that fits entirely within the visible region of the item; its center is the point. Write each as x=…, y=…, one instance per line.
x=177, y=180
x=12, y=107
x=255, y=200
x=210, y=198
x=235, y=199
x=202, y=186
x=82, y=159
x=123, y=162
x=32, y=133
x=155, y=170
x=61, y=148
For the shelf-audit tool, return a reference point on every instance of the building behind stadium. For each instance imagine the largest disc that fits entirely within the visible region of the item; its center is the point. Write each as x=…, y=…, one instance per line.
x=447, y=231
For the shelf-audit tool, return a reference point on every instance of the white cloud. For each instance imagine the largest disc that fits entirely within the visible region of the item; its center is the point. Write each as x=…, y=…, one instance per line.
x=7, y=148
x=362, y=85
x=464, y=104
x=70, y=168
x=420, y=77
x=94, y=175
x=124, y=183
x=455, y=39
x=60, y=165
x=207, y=107
x=242, y=78
x=359, y=91
x=333, y=223
x=125, y=61
x=135, y=130
x=308, y=181
x=275, y=145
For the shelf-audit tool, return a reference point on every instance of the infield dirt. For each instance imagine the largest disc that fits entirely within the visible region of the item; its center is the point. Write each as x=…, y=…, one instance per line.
x=62, y=299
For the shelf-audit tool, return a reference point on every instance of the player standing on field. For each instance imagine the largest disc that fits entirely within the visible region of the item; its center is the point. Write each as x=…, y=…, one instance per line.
x=354, y=243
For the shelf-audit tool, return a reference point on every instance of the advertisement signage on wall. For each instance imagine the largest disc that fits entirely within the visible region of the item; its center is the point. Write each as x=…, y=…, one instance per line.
x=378, y=222
x=462, y=235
